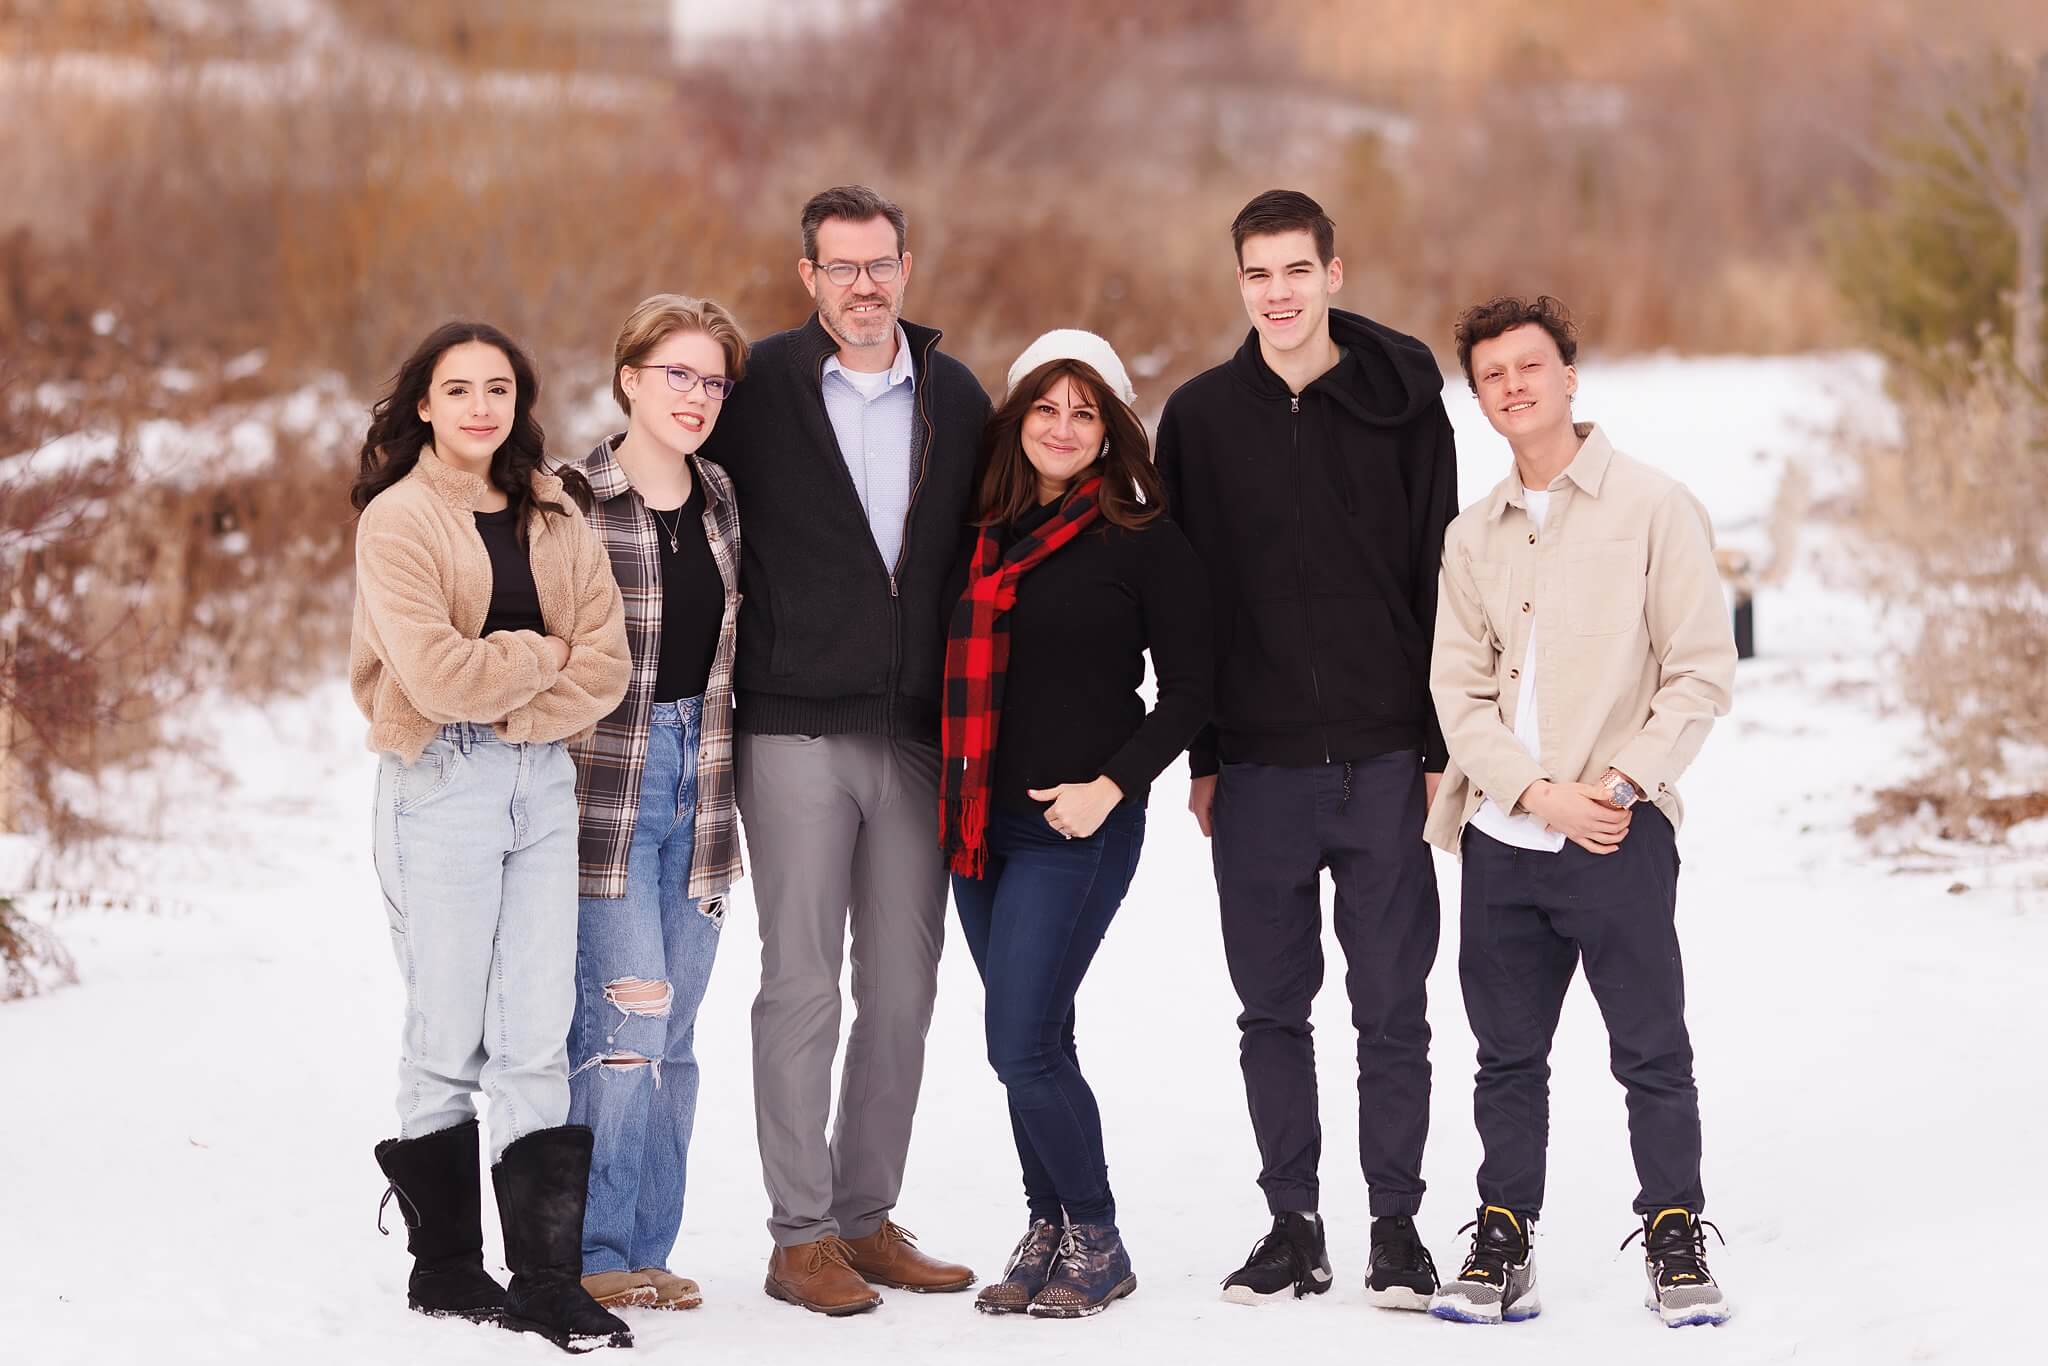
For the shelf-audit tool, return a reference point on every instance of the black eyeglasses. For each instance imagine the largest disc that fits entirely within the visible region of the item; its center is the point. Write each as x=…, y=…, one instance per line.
x=683, y=379
x=844, y=273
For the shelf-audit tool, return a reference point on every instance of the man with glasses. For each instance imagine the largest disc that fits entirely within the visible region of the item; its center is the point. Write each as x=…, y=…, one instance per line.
x=852, y=447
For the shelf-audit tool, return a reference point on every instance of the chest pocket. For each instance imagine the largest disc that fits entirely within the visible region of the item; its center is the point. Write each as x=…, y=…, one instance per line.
x=1604, y=584
x=1491, y=579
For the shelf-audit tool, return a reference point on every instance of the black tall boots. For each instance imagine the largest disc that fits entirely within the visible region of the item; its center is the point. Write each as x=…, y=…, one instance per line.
x=434, y=1180
x=542, y=1180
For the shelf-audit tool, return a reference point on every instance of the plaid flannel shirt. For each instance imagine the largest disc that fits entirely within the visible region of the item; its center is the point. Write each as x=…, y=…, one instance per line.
x=609, y=759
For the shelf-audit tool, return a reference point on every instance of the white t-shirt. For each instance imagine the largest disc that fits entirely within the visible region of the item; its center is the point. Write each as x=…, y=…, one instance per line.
x=870, y=382
x=1524, y=831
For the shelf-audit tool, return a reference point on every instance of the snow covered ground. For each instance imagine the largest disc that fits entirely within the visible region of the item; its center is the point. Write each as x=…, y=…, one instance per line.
x=186, y=1140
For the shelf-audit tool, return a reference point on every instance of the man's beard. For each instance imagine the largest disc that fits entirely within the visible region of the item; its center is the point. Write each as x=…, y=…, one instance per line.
x=844, y=329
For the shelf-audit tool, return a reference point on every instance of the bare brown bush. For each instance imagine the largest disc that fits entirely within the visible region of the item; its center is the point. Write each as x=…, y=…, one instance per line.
x=1956, y=506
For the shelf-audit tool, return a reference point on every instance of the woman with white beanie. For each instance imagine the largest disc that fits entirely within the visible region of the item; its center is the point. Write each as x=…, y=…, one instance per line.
x=1049, y=753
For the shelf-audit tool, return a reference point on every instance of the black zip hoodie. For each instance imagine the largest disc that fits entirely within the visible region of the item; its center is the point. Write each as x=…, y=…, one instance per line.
x=1320, y=517
x=833, y=640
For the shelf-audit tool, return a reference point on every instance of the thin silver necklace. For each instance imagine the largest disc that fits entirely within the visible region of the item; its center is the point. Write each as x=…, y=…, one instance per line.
x=675, y=537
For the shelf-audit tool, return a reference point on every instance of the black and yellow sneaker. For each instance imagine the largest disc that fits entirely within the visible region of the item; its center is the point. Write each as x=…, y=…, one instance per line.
x=1287, y=1263
x=1682, y=1291
x=1498, y=1281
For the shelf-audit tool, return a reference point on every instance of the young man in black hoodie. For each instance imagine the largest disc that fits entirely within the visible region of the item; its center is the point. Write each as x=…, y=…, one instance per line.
x=1314, y=473
x=852, y=446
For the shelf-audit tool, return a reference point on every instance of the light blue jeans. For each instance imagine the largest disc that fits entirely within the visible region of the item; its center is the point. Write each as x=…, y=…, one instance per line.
x=476, y=852
x=642, y=963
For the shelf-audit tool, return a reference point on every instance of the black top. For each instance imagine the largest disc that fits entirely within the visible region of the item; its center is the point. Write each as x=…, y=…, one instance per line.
x=692, y=600
x=1320, y=519
x=1078, y=634
x=831, y=639
x=515, y=602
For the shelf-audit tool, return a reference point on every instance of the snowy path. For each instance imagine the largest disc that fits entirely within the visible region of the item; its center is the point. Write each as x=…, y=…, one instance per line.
x=186, y=1146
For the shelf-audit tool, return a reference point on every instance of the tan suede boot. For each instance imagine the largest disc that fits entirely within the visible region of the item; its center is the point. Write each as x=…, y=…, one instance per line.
x=819, y=1277
x=621, y=1289
x=672, y=1292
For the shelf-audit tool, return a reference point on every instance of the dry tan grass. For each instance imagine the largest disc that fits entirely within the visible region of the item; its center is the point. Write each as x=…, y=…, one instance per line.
x=1956, y=508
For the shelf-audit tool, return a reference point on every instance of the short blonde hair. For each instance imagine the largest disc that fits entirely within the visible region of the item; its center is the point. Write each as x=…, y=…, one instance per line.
x=660, y=316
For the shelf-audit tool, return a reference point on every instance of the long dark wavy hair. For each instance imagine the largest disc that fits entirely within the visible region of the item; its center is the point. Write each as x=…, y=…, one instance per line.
x=398, y=433
x=1009, y=485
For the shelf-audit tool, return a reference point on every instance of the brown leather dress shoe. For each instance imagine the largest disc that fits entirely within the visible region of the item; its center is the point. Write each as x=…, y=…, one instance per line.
x=889, y=1256
x=671, y=1291
x=820, y=1277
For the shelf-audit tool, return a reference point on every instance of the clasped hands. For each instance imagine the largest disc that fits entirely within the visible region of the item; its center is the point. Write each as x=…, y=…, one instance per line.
x=1580, y=812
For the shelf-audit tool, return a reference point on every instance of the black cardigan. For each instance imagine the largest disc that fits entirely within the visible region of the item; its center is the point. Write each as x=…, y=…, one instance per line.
x=831, y=639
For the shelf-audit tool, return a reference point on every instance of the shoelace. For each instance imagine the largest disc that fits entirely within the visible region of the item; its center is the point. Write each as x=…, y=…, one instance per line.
x=1070, y=1246
x=1406, y=1253
x=829, y=1250
x=893, y=1232
x=1039, y=1233
x=1483, y=1257
x=1275, y=1249
x=1677, y=1255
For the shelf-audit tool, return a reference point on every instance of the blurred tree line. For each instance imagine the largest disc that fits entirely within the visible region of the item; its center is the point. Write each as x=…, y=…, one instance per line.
x=223, y=213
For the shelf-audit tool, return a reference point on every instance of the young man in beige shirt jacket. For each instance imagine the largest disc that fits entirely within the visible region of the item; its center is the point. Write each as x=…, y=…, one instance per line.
x=1583, y=648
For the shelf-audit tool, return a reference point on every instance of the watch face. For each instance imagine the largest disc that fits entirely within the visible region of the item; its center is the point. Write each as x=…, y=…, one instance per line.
x=1622, y=792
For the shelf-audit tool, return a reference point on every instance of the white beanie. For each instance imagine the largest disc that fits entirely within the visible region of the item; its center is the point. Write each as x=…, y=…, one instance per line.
x=1073, y=343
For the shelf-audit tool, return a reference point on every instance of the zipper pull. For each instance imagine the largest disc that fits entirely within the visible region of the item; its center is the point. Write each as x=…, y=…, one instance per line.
x=892, y=585
x=1294, y=403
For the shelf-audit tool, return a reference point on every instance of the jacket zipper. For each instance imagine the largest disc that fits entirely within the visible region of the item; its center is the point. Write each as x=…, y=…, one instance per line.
x=903, y=545
x=1308, y=630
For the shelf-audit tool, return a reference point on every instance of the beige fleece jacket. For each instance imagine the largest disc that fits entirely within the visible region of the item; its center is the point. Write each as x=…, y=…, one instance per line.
x=423, y=588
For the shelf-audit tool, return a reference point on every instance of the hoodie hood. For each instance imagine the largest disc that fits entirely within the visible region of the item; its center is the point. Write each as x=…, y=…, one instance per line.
x=1386, y=379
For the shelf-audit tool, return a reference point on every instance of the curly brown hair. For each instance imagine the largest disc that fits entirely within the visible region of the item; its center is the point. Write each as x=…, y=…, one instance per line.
x=1483, y=322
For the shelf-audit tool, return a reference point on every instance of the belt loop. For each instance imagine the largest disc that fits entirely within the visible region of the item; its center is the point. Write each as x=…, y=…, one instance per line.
x=465, y=737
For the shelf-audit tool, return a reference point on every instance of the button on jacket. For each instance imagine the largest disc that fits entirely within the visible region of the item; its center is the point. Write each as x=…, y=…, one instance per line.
x=1636, y=656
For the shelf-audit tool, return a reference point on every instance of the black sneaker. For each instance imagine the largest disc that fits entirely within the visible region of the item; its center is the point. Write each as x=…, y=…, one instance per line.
x=1682, y=1291
x=1289, y=1261
x=1403, y=1275
x=1498, y=1281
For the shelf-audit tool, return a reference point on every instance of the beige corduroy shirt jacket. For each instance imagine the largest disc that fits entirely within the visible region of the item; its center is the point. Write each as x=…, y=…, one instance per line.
x=1636, y=652
x=423, y=589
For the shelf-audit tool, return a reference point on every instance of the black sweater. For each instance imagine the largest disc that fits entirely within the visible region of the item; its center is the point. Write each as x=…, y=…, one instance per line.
x=1078, y=634
x=1320, y=519
x=831, y=639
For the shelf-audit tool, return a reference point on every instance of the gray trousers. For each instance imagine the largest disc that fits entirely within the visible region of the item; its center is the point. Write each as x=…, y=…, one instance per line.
x=840, y=828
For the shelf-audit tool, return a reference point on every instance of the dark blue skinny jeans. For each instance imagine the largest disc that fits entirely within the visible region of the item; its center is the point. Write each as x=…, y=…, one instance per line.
x=1033, y=925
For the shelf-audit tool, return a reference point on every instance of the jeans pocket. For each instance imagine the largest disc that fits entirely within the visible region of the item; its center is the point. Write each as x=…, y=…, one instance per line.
x=416, y=784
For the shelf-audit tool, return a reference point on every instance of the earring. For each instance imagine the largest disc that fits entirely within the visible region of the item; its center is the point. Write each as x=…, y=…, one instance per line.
x=1105, y=449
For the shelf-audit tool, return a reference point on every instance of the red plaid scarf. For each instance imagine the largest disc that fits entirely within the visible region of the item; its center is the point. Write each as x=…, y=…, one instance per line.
x=977, y=658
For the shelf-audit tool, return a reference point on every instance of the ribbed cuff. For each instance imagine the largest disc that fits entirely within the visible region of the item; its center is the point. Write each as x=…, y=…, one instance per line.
x=759, y=713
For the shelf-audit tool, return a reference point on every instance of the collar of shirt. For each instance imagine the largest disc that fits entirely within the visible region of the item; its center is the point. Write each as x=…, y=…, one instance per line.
x=902, y=372
x=1587, y=470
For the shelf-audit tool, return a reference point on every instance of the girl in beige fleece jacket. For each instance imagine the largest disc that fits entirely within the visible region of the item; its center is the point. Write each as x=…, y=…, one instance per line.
x=488, y=631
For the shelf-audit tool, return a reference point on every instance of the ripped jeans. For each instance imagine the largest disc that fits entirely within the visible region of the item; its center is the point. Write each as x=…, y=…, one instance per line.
x=642, y=963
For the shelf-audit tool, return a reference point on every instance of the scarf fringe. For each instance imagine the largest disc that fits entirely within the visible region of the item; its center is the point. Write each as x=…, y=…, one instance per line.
x=967, y=836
